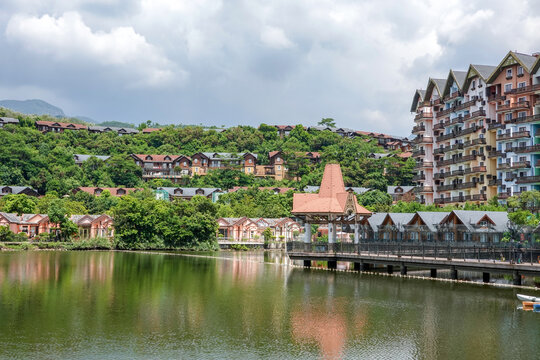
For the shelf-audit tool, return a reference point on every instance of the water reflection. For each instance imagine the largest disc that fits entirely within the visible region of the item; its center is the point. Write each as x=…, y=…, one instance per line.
x=244, y=305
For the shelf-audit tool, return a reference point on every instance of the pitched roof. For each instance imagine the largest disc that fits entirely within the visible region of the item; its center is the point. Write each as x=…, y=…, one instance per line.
x=332, y=196
x=149, y=130
x=280, y=190
x=483, y=71
x=527, y=61
x=458, y=77
x=430, y=218
x=375, y=220
x=24, y=218
x=399, y=219
x=83, y=158
x=392, y=189
x=61, y=125
x=8, y=120
x=18, y=189
x=156, y=158
x=189, y=192
x=419, y=96
x=470, y=218
x=112, y=190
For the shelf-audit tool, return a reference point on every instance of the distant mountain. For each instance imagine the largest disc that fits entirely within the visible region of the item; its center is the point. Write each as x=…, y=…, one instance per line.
x=117, y=124
x=34, y=106
x=86, y=119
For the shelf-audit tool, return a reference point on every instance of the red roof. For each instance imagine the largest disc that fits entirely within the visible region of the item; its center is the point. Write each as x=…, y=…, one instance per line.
x=61, y=125
x=158, y=158
x=405, y=155
x=332, y=196
x=281, y=190
x=149, y=130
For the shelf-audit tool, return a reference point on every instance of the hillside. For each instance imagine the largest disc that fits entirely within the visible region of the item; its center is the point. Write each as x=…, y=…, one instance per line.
x=34, y=106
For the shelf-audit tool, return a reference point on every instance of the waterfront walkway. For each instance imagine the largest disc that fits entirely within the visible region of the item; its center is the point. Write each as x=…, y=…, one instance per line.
x=484, y=258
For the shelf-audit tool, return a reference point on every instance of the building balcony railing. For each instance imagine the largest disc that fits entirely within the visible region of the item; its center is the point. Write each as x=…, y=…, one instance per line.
x=510, y=177
x=419, y=177
x=523, y=90
x=474, y=115
x=423, y=115
x=164, y=174
x=515, y=165
x=453, y=147
x=447, y=187
x=496, y=97
x=523, y=119
x=495, y=182
x=525, y=149
x=513, y=106
x=458, y=133
x=466, y=185
x=479, y=141
x=418, y=153
x=438, y=151
x=503, y=196
x=423, y=189
x=438, y=176
x=423, y=164
x=494, y=125
x=423, y=140
x=466, y=158
x=514, y=135
x=436, y=102
x=446, y=162
x=479, y=197
x=496, y=153
x=528, y=179
x=418, y=128
x=438, y=126
x=453, y=95
x=475, y=169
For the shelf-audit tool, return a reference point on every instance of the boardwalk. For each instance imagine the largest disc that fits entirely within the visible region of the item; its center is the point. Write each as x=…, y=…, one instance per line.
x=486, y=259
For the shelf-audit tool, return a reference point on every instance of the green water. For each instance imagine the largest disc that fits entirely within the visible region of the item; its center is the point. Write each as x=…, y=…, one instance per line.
x=112, y=305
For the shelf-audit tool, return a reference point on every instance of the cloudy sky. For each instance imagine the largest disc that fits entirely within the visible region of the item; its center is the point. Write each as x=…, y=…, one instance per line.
x=246, y=61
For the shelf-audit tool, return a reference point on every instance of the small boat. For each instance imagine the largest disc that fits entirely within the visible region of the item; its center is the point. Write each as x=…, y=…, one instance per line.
x=528, y=298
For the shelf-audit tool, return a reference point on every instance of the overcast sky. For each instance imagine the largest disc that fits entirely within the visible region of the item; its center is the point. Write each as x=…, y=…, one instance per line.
x=245, y=62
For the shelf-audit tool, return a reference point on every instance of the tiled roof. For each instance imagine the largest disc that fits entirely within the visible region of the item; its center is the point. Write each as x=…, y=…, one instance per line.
x=24, y=218
x=157, y=158
x=392, y=189
x=83, y=158
x=17, y=189
x=332, y=196
x=8, y=120
x=113, y=191
x=149, y=130
x=61, y=125
x=188, y=192
x=280, y=190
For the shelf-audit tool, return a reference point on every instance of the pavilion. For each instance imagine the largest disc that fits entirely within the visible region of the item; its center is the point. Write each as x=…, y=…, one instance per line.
x=332, y=205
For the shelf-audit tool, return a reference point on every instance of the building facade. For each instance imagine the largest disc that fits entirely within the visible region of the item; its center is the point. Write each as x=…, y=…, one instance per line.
x=475, y=133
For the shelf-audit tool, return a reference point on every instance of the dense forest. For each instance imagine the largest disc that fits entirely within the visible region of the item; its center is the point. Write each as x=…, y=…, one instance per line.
x=45, y=161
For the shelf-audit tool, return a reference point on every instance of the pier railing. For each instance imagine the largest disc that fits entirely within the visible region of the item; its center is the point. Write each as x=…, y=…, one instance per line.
x=508, y=252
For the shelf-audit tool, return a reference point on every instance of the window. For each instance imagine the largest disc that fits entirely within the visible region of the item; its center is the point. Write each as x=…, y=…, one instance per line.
x=508, y=73
x=521, y=84
x=279, y=167
x=195, y=161
x=522, y=114
x=507, y=87
x=473, y=84
x=522, y=99
x=519, y=71
x=508, y=116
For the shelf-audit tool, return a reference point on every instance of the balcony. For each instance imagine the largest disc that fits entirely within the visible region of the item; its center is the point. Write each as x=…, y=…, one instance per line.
x=523, y=119
x=419, y=177
x=479, y=141
x=523, y=90
x=510, y=177
x=458, y=133
x=459, y=172
x=494, y=125
x=452, y=96
x=446, y=162
x=496, y=153
x=528, y=179
x=515, y=165
x=466, y=185
x=438, y=151
x=418, y=153
x=515, y=135
x=423, y=140
x=475, y=170
x=423, y=115
x=418, y=128
x=496, y=97
x=513, y=106
x=474, y=115
x=438, y=176
x=439, y=201
x=503, y=196
x=423, y=189
x=447, y=187
x=164, y=174
x=465, y=158
x=479, y=197
x=495, y=182
x=423, y=164
x=438, y=126
x=525, y=149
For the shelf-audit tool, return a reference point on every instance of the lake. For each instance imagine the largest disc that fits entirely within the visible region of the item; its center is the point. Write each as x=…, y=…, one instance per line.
x=120, y=305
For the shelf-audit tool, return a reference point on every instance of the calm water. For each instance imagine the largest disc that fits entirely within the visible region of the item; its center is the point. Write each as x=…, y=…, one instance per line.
x=130, y=305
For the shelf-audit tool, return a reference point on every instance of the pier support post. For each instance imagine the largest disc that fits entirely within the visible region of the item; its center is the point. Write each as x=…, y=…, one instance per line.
x=307, y=237
x=390, y=269
x=332, y=234
x=364, y=266
x=433, y=273
x=403, y=269
x=332, y=264
x=307, y=263
x=485, y=277
x=357, y=234
x=517, y=278
x=453, y=273
x=357, y=266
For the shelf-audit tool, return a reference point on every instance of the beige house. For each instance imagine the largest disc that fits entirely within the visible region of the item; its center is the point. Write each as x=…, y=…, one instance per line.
x=251, y=229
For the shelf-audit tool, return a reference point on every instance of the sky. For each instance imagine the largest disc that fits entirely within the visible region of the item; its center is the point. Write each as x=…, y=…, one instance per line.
x=236, y=62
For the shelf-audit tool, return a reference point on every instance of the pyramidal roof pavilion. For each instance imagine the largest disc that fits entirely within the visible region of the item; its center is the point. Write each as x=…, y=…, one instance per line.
x=332, y=199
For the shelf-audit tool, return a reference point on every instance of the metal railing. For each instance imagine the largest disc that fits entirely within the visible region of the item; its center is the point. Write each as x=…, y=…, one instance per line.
x=466, y=251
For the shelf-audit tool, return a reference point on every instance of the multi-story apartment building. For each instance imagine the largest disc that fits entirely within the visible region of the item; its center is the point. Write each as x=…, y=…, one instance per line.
x=512, y=95
x=205, y=161
x=476, y=132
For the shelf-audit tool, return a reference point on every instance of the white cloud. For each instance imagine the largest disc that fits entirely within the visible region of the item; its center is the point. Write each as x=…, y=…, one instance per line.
x=68, y=39
x=275, y=38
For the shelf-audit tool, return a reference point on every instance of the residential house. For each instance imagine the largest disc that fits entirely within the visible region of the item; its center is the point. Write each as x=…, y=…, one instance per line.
x=356, y=190
x=8, y=120
x=392, y=227
x=92, y=226
x=80, y=158
x=118, y=130
x=172, y=167
x=401, y=193
x=370, y=226
x=54, y=126
x=151, y=130
x=114, y=191
x=29, y=224
x=251, y=229
x=424, y=226
x=473, y=226
x=284, y=130
x=275, y=190
x=205, y=161
x=8, y=190
x=188, y=193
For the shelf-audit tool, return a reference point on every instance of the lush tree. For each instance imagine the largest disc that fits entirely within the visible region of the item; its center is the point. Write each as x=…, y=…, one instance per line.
x=18, y=203
x=329, y=122
x=59, y=214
